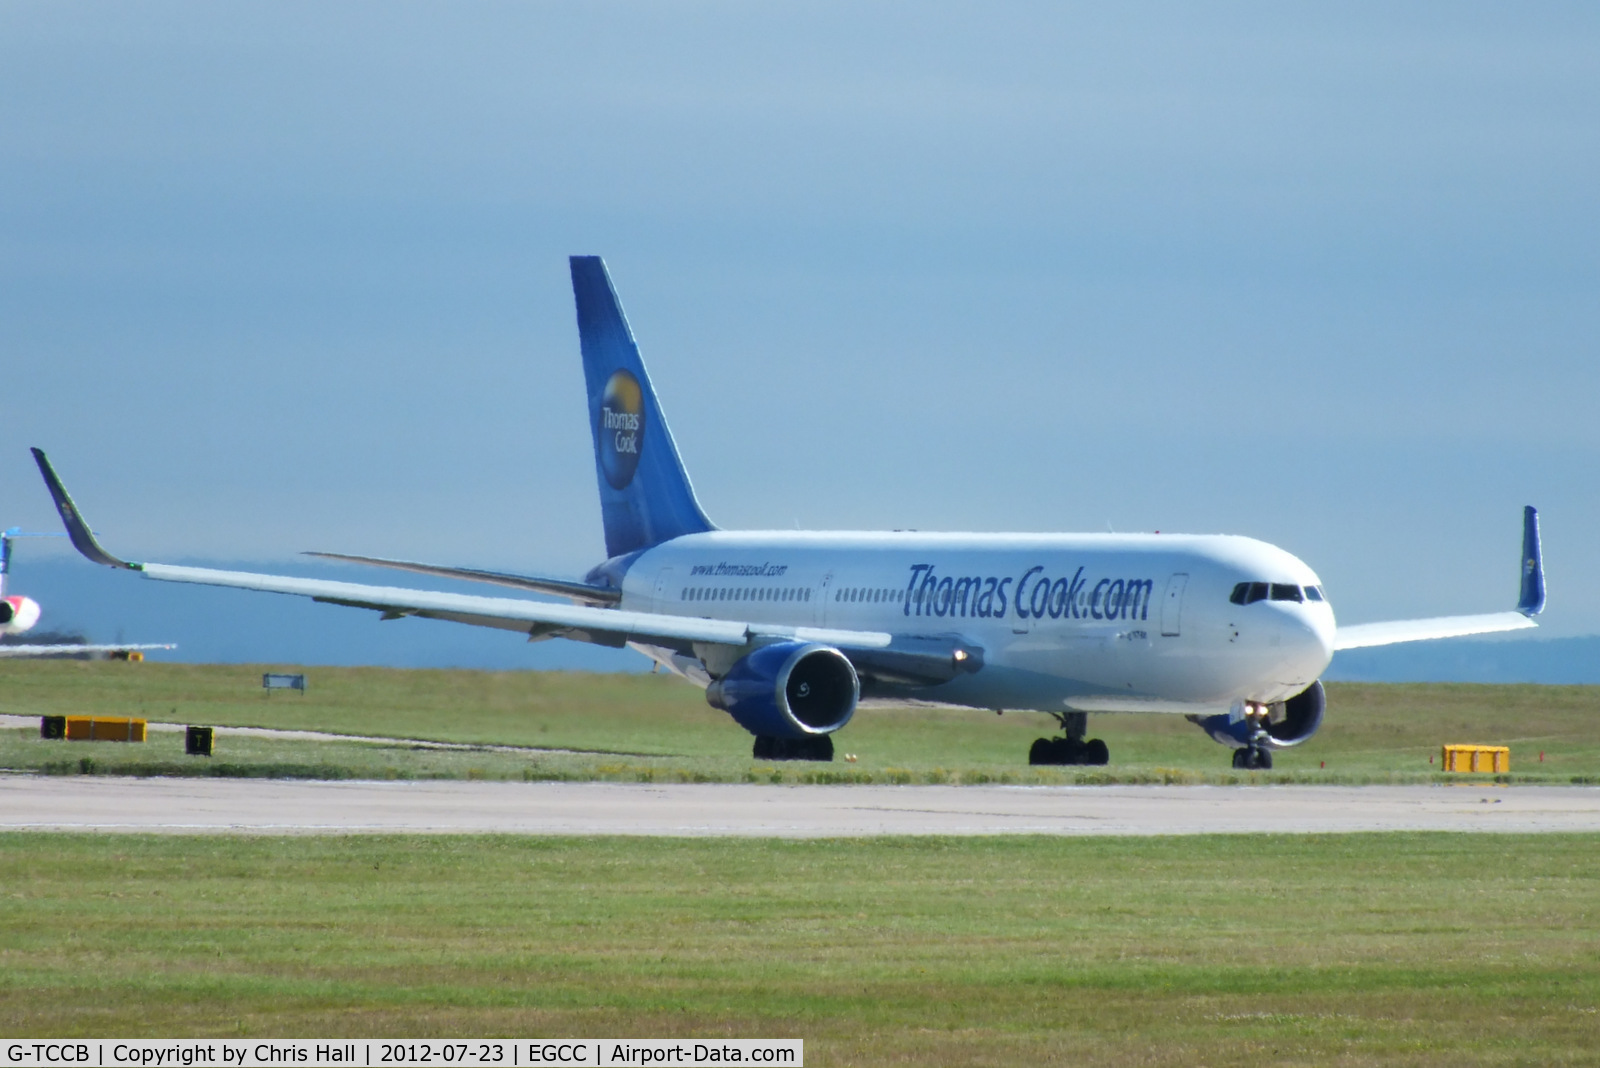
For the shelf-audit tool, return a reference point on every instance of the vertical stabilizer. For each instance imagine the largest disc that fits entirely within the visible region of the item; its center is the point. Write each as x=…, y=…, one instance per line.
x=645, y=496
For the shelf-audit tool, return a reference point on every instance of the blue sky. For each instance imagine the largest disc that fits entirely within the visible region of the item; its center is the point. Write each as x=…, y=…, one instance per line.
x=293, y=276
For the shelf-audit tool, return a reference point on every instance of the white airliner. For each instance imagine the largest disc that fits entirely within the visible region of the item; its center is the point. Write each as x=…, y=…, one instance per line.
x=788, y=632
x=19, y=614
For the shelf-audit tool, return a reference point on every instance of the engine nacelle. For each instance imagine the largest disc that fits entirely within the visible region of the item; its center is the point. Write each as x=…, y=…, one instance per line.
x=789, y=690
x=1292, y=721
x=18, y=614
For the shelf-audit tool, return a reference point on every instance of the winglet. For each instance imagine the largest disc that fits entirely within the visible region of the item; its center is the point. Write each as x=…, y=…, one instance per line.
x=77, y=529
x=1531, y=603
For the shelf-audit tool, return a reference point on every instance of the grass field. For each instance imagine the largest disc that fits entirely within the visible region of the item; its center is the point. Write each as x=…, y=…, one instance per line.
x=632, y=727
x=1359, y=949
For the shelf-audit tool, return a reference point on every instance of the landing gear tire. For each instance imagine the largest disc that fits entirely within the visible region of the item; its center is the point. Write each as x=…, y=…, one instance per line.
x=1252, y=759
x=817, y=747
x=1059, y=751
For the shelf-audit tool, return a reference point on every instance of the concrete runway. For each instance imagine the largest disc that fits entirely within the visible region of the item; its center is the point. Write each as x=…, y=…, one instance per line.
x=222, y=806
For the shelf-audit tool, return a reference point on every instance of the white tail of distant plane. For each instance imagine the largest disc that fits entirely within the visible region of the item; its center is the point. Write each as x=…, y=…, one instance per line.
x=19, y=615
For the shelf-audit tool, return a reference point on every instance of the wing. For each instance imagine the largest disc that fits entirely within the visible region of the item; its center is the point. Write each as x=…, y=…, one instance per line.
x=72, y=650
x=537, y=619
x=1529, y=604
x=1364, y=635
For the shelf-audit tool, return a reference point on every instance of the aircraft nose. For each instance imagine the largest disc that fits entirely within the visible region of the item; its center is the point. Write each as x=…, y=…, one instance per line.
x=1309, y=634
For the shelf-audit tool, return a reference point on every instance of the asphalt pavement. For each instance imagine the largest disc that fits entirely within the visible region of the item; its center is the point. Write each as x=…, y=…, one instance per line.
x=267, y=806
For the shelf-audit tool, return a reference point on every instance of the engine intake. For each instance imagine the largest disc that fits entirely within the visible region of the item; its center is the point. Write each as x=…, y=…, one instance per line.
x=789, y=690
x=1292, y=721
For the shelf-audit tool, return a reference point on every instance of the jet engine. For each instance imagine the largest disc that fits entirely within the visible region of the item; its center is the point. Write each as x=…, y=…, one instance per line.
x=18, y=614
x=1289, y=722
x=789, y=690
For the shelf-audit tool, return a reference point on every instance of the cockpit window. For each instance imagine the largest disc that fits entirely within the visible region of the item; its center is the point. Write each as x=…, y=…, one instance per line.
x=1282, y=591
x=1314, y=593
x=1249, y=593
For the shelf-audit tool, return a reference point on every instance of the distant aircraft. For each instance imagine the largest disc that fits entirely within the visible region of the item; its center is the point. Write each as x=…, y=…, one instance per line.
x=789, y=631
x=19, y=614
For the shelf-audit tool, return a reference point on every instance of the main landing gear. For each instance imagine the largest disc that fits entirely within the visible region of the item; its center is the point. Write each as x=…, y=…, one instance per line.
x=1071, y=748
x=815, y=747
x=1255, y=756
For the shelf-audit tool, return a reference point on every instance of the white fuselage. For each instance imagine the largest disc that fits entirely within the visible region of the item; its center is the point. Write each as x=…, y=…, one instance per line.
x=1066, y=622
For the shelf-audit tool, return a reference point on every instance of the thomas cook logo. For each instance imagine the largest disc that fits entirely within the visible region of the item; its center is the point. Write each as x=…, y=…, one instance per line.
x=621, y=429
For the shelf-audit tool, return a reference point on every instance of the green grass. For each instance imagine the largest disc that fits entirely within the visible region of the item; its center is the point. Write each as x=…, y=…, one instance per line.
x=655, y=728
x=1417, y=949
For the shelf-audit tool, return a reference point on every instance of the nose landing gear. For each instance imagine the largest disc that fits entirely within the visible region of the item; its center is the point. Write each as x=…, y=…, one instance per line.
x=1255, y=756
x=1071, y=748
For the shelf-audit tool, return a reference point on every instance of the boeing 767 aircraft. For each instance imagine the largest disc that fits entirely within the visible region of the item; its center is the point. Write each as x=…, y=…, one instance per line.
x=789, y=631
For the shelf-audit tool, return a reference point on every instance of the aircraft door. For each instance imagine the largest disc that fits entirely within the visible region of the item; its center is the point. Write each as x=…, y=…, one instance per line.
x=824, y=594
x=664, y=590
x=1172, y=605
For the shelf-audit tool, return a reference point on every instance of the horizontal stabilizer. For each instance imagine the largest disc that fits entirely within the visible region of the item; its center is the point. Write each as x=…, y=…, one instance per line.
x=583, y=591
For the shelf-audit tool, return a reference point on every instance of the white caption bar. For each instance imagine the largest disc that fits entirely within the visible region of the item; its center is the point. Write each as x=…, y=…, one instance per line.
x=398, y=1053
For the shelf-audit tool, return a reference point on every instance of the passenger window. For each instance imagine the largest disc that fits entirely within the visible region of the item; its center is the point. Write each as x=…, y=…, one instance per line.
x=1282, y=591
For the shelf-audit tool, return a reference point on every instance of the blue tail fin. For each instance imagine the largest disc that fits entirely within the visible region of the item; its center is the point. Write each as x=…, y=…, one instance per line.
x=645, y=496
